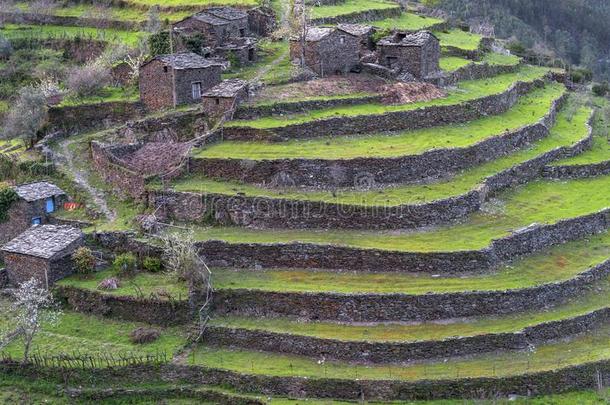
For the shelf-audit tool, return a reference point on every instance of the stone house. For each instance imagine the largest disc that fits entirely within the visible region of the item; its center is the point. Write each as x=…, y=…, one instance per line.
x=192, y=75
x=218, y=25
x=43, y=252
x=225, y=97
x=37, y=201
x=261, y=21
x=364, y=33
x=417, y=54
x=328, y=51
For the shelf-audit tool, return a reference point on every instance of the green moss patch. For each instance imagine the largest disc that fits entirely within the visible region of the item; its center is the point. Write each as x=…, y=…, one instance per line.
x=407, y=21
x=349, y=7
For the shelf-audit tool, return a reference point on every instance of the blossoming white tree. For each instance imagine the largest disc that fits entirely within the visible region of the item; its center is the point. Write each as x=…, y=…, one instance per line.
x=33, y=306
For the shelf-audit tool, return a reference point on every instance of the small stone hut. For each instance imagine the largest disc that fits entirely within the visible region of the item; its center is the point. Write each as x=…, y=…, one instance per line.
x=37, y=201
x=43, y=252
x=218, y=25
x=364, y=34
x=225, y=97
x=192, y=75
x=328, y=51
x=417, y=54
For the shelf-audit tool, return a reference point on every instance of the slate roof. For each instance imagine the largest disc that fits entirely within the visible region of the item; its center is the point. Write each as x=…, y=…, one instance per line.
x=44, y=241
x=38, y=191
x=315, y=34
x=209, y=19
x=356, y=30
x=419, y=38
x=227, y=13
x=227, y=88
x=186, y=60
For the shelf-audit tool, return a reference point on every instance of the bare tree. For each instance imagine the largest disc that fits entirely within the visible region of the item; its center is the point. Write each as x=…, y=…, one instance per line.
x=28, y=115
x=33, y=307
x=299, y=20
x=153, y=21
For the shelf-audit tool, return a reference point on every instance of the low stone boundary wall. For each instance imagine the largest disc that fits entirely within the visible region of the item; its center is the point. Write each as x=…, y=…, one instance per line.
x=153, y=311
x=49, y=19
x=577, y=171
x=122, y=179
x=403, y=307
x=424, y=117
x=392, y=352
x=326, y=173
x=250, y=112
x=264, y=212
x=359, y=16
x=477, y=71
x=578, y=377
x=86, y=117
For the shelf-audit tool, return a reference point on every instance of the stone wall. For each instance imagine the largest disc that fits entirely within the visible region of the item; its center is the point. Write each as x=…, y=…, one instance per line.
x=86, y=117
x=402, y=307
x=577, y=171
x=578, y=377
x=20, y=217
x=3, y=278
x=123, y=180
x=48, y=19
x=136, y=309
x=424, y=117
x=477, y=71
x=392, y=352
x=326, y=173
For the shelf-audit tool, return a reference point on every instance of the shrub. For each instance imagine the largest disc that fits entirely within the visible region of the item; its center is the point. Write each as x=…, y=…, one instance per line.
x=6, y=49
x=601, y=89
x=109, y=284
x=28, y=115
x=143, y=335
x=125, y=264
x=88, y=80
x=84, y=261
x=7, y=197
x=159, y=43
x=152, y=264
x=581, y=75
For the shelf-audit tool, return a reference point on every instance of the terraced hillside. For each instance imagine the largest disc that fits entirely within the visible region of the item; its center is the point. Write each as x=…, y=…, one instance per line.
x=449, y=248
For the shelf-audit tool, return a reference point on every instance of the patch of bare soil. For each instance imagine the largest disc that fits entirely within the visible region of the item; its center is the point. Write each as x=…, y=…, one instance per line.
x=403, y=93
x=157, y=157
x=328, y=86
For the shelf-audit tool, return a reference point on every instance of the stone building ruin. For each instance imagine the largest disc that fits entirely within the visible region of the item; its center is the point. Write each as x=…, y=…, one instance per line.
x=417, y=54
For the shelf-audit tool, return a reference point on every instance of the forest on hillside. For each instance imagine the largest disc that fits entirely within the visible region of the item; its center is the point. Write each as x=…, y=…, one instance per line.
x=575, y=30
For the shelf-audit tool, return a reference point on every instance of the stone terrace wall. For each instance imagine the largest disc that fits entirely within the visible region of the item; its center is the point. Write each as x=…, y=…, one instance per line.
x=579, y=377
x=93, y=116
x=577, y=171
x=391, y=352
x=424, y=117
x=154, y=311
x=477, y=71
x=359, y=16
x=123, y=180
x=324, y=173
x=265, y=212
x=402, y=307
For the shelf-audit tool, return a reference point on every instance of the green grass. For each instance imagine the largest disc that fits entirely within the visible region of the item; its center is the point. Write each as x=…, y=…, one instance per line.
x=494, y=58
x=564, y=133
x=600, y=151
x=194, y=3
x=146, y=283
x=107, y=95
x=587, y=348
x=13, y=31
x=451, y=63
x=79, y=333
x=269, y=52
x=407, y=21
x=350, y=6
x=543, y=202
x=558, y=264
x=528, y=110
x=466, y=91
x=457, y=38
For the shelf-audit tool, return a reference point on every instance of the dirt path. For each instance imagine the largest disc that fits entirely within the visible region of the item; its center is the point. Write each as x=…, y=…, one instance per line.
x=81, y=178
x=265, y=69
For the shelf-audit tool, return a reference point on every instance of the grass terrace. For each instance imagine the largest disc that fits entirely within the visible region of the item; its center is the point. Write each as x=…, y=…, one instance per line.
x=413, y=332
x=557, y=264
x=193, y=3
x=528, y=110
x=14, y=31
x=590, y=347
x=600, y=151
x=83, y=334
x=269, y=72
x=465, y=91
x=107, y=95
x=543, y=202
x=567, y=132
x=349, y=7
x=149, y=284
x=407, y=22
x=451, y=63
x=457, y=38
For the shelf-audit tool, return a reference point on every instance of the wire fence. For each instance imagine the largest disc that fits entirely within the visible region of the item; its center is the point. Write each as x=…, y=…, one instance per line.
x=91, y=361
